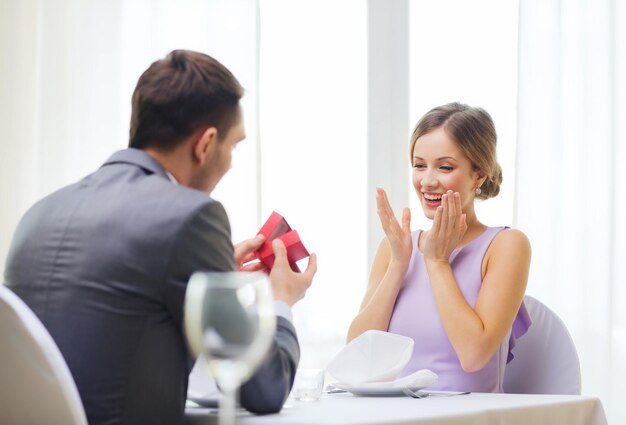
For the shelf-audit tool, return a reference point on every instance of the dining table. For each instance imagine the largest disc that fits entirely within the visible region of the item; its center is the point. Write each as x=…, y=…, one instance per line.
x=458, y=409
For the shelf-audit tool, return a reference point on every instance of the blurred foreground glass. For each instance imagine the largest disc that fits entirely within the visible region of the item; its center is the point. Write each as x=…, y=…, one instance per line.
x=230, y=322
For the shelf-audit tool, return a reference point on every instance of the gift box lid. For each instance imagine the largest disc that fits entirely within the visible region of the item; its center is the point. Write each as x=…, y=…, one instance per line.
x=276, y=227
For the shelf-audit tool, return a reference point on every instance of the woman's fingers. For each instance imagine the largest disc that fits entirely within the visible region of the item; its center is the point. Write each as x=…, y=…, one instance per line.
x=457, y=203
x=384, y=208
x=437, y=221
x=398, y=235
x=445, y=215
x=385, y=212
x=462, y=224
x=463, y=227
x=452, y=212
x=406, y=220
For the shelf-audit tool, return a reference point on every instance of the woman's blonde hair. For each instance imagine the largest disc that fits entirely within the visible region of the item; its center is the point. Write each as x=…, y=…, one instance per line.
x=474, y=132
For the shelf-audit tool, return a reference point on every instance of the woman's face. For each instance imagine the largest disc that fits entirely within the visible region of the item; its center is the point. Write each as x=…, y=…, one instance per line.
x=438, y=166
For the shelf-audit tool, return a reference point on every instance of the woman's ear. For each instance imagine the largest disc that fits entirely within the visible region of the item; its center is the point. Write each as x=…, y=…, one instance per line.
x=205, y=144
x=481, y=176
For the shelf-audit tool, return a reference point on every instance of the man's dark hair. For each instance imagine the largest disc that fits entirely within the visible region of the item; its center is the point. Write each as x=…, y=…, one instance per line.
x=179, y=95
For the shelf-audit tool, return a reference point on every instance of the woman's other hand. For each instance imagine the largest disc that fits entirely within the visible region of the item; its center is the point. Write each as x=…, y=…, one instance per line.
x=449, y=227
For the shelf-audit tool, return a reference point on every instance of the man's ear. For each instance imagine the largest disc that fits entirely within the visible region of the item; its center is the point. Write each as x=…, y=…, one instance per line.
x=205, y=144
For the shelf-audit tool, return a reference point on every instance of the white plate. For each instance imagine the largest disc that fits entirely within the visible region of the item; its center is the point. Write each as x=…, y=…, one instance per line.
x=419, y=379
x=376, y=392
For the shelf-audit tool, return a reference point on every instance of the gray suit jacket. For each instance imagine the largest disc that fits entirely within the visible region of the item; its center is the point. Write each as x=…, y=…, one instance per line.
x=104, y=263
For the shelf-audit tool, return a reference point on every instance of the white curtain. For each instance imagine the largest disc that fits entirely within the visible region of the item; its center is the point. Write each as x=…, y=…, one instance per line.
x=571, y=182
x=68, y=71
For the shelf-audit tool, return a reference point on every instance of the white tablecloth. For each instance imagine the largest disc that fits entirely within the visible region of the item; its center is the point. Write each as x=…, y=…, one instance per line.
x=476, y=408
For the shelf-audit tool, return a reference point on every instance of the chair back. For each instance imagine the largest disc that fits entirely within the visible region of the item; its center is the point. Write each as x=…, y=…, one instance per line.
x=36, y=386
x=545, y=360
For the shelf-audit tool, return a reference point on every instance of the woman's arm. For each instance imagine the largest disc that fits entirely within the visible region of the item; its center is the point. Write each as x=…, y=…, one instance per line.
x=380, y=297
x=476, y=333
x=388, y=270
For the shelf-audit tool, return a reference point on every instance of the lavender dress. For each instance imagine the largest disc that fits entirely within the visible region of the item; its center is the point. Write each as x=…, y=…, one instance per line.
x=415, y=315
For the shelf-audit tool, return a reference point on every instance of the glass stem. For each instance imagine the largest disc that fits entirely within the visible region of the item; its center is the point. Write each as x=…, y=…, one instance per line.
x=228, y=403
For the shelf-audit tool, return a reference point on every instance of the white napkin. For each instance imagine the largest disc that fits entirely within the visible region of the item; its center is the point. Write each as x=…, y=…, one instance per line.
x=375, y=359
x=201, y=384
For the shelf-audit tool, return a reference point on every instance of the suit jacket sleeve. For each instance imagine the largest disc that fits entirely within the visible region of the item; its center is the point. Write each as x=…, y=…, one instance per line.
x=205, y=244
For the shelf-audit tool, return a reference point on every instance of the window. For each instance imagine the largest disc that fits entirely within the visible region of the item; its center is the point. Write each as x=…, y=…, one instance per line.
x=467, y=52
x=313, y=103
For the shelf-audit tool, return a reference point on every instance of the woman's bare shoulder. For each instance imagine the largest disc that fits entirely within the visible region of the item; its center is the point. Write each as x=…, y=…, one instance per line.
x=512, y=241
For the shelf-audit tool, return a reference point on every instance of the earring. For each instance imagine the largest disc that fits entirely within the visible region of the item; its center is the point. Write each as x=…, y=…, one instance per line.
x=477, y=191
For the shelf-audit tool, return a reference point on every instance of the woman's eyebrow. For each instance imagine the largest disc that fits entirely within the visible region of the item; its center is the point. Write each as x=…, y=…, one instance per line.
x=438, y=159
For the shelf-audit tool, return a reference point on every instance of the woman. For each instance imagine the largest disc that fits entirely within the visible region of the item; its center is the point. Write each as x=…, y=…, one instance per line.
x=457, y=288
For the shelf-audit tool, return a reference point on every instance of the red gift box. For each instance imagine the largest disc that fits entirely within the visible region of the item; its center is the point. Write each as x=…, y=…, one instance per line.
x=276, y=227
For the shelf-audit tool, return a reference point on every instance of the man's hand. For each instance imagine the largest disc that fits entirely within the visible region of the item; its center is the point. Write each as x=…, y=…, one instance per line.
x=244, y=254
x=289, y=286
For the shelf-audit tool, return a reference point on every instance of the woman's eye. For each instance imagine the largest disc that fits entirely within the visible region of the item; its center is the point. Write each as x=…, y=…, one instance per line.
x=446, y=168
x=419, y=166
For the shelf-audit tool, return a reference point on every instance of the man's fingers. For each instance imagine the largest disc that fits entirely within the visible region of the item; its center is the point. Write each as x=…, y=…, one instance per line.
x=244, y=250
x=249, y=257
x=311, y=268
x=253, y=267
x=280, y=252
x=281, y=259
x=254, y=243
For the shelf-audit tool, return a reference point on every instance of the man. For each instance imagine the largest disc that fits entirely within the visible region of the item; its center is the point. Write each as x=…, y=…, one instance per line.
x=104, y=262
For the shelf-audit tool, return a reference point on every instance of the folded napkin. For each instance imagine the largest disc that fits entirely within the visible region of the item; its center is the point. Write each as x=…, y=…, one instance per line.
x=375, y=359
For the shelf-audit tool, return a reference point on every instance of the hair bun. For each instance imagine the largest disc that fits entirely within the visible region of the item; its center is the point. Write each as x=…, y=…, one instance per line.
x=491, y=187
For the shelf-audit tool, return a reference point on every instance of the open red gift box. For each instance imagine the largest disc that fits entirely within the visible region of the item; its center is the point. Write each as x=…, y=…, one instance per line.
x=276, y=227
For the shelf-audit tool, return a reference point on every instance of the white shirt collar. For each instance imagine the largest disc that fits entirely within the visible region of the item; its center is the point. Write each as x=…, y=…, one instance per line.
x=171, y=177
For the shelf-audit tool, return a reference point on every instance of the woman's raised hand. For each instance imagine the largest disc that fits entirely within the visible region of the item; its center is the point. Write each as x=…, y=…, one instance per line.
x=449, y=227
x=399, y=237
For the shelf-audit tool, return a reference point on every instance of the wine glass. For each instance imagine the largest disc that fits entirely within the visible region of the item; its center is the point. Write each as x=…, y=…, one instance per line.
x=230, y=322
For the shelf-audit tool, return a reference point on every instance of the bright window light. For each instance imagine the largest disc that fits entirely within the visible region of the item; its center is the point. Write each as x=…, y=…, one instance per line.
x=466, y=51
x=313, y=113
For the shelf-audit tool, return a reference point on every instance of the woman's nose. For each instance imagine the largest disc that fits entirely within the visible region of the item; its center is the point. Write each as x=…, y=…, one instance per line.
x=429, y=180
